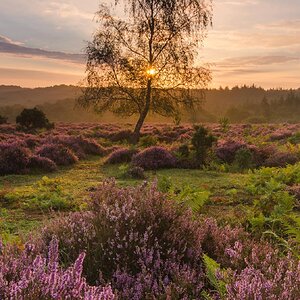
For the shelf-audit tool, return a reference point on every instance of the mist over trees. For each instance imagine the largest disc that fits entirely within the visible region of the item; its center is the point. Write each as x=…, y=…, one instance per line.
x=239, y=104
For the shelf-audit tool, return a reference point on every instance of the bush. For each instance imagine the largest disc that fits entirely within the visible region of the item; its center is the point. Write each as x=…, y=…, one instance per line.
x=243, y=159
x=154, y=158
x=41, y=163
x=226, y=149
x=26, y=275
x=58, y=153
x=146, y=245
x=281, y=159
x=136, y=173
x=123, y=155
x=3, y=120
x=183, y=151
x=120, y=136
x=202, y=141
x=32, y=119
x=79, y=145
x=14, y=158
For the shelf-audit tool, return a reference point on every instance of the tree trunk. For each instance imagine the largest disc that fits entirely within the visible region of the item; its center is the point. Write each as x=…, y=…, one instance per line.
x=143, y=115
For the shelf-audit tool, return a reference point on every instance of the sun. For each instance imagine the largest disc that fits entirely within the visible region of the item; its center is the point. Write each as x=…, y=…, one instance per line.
x=151, y=72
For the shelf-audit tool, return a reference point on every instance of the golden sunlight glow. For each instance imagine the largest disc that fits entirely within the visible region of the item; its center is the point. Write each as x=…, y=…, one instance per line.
x=151, y=72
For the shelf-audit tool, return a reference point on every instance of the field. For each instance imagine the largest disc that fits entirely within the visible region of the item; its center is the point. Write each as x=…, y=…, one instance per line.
x=236, y=211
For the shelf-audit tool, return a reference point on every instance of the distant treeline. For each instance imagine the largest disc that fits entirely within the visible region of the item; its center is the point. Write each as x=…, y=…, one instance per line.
x=239, y=105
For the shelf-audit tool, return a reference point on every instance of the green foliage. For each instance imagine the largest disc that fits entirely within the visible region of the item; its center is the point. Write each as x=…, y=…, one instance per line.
x=295, y=139
x=33, y=119
x=243, y=159
x=148, y=141
x=212, y=267
x=273, y=210
x=45, y=194
x=183, y=151
x=202, y=142
x=224, y=124
x=193, y=197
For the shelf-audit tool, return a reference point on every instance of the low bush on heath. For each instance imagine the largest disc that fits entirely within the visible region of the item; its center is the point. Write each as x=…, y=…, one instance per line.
x=14, y=158
x=41, y=163
x=123, y=155
x=154, y=158
x=58, y=153
x=28, y=275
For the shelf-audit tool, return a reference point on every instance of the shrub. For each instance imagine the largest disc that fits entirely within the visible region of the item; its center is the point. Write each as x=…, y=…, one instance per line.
x=183, y=151
x=32, y=119
x=243, y=159
x=136, y=173
x=146, y=245
x=58, y=153
x=79, y=145
x=41, y=163
x=122, y=135
x=281, y=159
x=31, y=276
x=123, y=155
x=226, y=149
x=154, y=158
x=14, y=158
x=202, y=141
x=3, y=120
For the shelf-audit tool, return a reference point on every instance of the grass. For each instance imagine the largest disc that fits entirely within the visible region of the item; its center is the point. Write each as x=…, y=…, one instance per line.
x=226, y=191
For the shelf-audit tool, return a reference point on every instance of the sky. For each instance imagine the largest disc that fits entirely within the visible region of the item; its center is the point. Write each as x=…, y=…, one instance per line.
x=250, y=42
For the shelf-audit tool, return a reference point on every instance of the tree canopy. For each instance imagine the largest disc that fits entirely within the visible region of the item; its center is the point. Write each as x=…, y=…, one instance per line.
x=145, y=61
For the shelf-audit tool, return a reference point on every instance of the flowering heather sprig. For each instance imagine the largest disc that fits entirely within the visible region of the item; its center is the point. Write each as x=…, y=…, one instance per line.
x=154, y=158
x=269, y=277
x=35, y=277
x=58, y=153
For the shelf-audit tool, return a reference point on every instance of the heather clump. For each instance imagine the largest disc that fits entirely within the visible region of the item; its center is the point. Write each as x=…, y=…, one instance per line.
x=14, y=158
x=226, y=149
x=154, y=158
x=281, y=159
x=79, y=145
x=144, y=244
x=58, y=153
x=29, y=275
x=123, y=155
x=37, y=162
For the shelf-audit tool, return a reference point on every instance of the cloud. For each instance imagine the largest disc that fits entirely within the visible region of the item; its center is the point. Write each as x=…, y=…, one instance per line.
x=255, y=61
x=33, y=78
x=16, y=48
x=239, y=3
x=282, y=25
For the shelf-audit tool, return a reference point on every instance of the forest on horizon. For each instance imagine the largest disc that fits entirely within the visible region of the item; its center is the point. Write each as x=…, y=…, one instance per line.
x=240, y=104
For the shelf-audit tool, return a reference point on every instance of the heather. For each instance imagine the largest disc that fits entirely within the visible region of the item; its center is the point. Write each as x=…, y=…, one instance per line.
x=154, y=158
x=144, y=244
x=58, y=153
x=193, y=212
